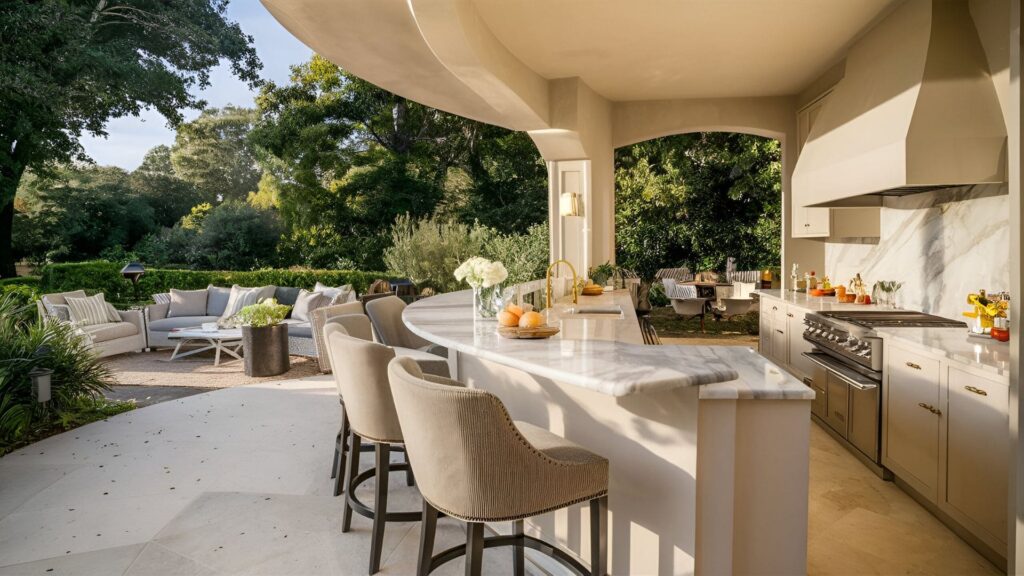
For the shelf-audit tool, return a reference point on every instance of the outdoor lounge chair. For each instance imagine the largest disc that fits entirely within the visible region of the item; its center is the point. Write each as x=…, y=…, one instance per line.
x=107, y=338
x=685, y=301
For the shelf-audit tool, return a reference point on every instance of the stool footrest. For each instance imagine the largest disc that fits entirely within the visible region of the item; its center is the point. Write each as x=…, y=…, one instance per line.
x=367, y=512
x=513, y=540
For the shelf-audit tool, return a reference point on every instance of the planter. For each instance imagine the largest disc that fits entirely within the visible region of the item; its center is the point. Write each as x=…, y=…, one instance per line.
x=266, y=350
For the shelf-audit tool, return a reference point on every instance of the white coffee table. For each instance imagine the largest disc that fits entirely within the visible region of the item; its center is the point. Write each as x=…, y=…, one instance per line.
x=227, y=341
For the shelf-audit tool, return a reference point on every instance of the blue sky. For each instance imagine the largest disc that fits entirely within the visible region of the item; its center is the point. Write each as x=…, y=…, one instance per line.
x=130, y=138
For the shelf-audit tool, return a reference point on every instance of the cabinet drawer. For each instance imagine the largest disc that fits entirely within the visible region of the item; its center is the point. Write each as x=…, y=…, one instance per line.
x=911, y=364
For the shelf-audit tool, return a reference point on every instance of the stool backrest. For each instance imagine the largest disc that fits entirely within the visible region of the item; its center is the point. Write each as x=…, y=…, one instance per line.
x=470, y=460
x=361, y=372
x=386, y=316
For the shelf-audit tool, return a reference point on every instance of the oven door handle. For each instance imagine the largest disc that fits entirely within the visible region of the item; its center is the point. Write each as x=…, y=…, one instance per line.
x=833, y=369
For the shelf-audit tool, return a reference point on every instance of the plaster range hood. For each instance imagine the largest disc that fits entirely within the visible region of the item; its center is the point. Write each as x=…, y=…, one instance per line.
x=916, y=111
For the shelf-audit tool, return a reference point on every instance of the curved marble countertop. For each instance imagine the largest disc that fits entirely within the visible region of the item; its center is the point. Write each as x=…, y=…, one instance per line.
x=604, y=354
x=813, y=303
x=986, y=354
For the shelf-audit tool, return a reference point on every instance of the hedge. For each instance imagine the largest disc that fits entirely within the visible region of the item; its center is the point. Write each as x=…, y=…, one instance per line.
x=31, y=281
x=103, y=276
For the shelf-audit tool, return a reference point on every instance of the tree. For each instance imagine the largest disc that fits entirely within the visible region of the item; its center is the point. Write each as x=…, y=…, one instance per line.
x=69, y=66
x=155, y=182
x=213, y=154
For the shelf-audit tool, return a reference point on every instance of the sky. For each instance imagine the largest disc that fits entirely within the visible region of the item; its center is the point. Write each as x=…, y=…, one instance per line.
x=129, y=138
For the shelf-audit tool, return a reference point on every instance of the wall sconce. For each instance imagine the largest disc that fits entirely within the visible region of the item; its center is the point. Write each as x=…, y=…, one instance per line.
x=40, y=383
x=569, y=204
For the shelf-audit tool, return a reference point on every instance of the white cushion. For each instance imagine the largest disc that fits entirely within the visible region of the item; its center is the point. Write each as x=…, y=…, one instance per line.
x=306, y=303
x=241, y=297
x=217, y=300
x=60, y=299
x=91, y=310
x=335, y=294
x=110, y=331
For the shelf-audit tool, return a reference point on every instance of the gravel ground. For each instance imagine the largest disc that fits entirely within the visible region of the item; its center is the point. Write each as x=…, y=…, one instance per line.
x=157, y=369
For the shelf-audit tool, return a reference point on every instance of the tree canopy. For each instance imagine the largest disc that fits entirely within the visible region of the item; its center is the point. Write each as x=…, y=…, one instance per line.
x=69, y=66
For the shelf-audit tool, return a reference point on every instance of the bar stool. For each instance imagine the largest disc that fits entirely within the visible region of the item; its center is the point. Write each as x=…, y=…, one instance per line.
x=370, y=415
x=473, y=463
x=386, y=316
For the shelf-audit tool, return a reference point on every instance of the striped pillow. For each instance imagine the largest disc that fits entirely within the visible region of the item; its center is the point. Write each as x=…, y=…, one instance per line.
x=162, y=298
x=90, y=310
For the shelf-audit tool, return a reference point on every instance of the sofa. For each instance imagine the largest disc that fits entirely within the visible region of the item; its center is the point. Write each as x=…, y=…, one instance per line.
x=106, y=338
x=161, y=319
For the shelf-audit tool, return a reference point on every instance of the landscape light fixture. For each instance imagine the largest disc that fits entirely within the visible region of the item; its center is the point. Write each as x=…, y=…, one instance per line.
x=569, y=204
x=133, y=271
x=40, y=383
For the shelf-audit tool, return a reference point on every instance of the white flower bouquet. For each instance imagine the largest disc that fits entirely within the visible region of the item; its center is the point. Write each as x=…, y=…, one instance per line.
x=485, y=277
x=481, y=273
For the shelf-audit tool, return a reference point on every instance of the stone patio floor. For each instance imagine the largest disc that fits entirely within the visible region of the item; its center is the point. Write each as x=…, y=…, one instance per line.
x=233, y=481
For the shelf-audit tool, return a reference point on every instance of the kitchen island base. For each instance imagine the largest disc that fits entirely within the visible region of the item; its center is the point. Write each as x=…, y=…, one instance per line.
x=714, y=486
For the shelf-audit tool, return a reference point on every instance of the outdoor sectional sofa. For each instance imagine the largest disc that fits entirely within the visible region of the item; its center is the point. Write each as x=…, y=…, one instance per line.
x=160, y=321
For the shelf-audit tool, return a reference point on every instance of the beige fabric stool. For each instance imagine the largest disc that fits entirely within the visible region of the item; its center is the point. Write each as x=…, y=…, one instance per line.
x=473, y=463
x=386, y=316
x=369, y=414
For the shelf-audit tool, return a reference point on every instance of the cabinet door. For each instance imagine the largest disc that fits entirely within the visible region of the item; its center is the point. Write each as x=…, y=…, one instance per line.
x=912, y=419
x=811, y=222
x=765, y=328
x=798, y=364
x=780, y=341
x=977, y=450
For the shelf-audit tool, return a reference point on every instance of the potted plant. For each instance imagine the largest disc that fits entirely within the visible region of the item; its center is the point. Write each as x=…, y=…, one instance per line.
x=264, y=338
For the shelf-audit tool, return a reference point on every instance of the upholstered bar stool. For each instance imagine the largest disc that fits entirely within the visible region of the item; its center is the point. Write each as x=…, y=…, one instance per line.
x=370, y=416
x=386, y=316
x=473, y=463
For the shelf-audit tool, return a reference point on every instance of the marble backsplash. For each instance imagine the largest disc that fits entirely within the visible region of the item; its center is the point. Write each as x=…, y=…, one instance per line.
x=942, y=245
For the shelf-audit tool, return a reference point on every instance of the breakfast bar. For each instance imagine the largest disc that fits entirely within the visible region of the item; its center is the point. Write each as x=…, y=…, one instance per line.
x=708, y=445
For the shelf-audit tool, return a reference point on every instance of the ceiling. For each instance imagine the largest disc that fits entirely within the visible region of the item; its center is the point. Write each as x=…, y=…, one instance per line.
x=667, y=49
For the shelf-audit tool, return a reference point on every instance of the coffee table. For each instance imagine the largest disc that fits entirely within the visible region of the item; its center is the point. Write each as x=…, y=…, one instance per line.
x=227, y=341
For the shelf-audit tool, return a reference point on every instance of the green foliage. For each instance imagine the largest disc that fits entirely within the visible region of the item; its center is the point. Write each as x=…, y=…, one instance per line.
x=26, y=345
x=156, y=182
x=525, y=256
x=69, y=67
x=262, y=314
x=101, y=276
x=428, y=250
x=601, y=273
x=697, y=199
x=213, y=154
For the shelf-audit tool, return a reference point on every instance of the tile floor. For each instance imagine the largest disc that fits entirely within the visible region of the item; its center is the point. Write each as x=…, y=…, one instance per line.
x=236, y=482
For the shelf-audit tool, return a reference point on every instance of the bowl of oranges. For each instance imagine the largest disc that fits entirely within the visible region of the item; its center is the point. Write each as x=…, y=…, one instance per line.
x=520, y=322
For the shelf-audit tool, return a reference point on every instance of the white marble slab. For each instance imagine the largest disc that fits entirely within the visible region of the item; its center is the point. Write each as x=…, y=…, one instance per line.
x=602, y=354
x=811, y=303
x=954, y=343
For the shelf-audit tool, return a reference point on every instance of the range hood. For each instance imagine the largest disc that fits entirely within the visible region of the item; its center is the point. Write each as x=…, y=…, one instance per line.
x=916, y=111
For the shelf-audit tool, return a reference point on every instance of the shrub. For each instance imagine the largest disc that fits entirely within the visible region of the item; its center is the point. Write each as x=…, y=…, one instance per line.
x=525, y=256
x=102, y=276
x=428, y=251
x=25, y=345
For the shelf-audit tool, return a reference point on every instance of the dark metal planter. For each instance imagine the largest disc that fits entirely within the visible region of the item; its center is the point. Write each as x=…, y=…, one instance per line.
x=266, y=350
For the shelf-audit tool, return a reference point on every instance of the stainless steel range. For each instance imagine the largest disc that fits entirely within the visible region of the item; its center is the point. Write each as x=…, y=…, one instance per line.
x=847, y=347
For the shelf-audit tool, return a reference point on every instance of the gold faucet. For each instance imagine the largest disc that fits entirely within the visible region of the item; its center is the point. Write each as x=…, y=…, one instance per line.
x=575, y=296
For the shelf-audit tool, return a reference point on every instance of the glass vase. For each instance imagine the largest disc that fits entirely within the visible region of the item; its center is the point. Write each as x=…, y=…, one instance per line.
x=486, y=302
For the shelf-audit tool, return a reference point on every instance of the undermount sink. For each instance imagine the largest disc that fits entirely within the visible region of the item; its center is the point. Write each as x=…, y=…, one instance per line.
x=582, y=312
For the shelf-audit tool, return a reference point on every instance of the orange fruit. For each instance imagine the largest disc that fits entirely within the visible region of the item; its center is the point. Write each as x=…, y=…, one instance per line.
x=531, y=320
x=518, y=311
x=508, y=318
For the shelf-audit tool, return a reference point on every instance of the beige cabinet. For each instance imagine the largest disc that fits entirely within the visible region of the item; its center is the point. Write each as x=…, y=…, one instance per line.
x=779, y=335
x=829, y=222
x=977, y=450
x=765, y=327
x=912, y=417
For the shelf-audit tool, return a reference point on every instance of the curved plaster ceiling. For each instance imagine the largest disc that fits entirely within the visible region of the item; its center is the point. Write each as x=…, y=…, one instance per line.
x=668, y=49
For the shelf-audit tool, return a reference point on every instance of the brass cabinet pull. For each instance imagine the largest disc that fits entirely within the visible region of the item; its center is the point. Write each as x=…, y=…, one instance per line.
x=775, y=307
x=789, y=314
x=977, y=391
x=914, y=366
x=779, y=331
x=930, y=408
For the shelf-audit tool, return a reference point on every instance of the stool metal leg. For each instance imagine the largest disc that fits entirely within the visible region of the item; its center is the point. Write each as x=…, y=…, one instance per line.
x=341, y=454
x=410, y=480
x=599, y=536
x=474, y=548
x=380, y=506
x=519, y=552
x=428, y=529
x=354, y=448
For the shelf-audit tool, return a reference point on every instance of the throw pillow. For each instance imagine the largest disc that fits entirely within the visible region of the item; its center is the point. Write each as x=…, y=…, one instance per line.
x=61, y=312
x=335, y=295
x=89, y=310
x=216, y=300
x=162, y=298
x=51, y=300
x=306, y=303
x=241, y=297
x=187, y=303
